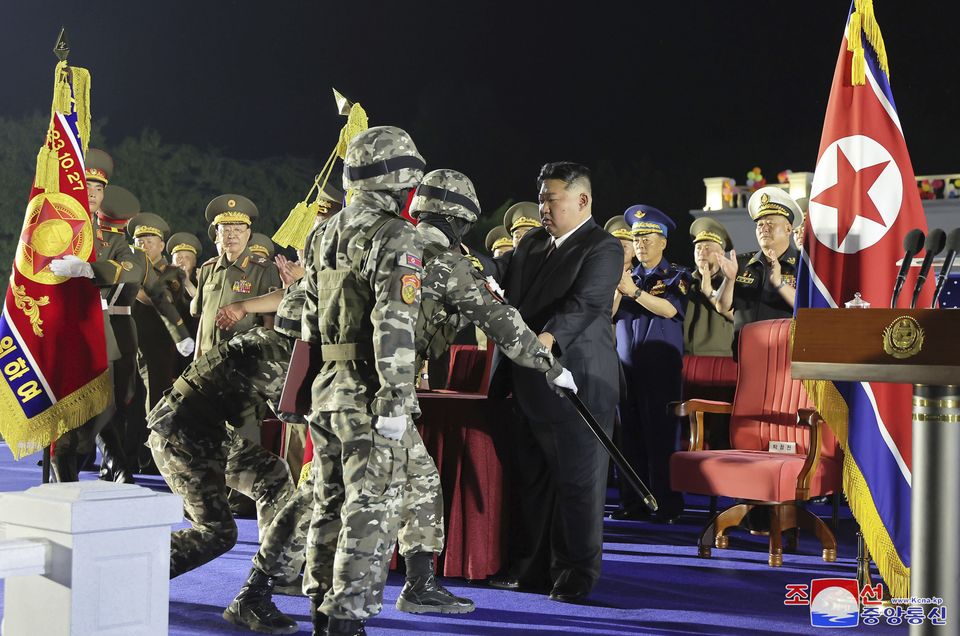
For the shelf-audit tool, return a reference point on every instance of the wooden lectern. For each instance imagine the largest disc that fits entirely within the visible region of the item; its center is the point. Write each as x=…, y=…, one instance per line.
x=909, y=346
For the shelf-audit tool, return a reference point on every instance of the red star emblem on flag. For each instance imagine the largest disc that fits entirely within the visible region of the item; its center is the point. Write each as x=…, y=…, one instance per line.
x=850, y=194
x=50, y=235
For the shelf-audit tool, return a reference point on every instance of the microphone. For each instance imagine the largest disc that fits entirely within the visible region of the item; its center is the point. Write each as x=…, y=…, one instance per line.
x=953, y=246
x=936, y=239
x=912, y=243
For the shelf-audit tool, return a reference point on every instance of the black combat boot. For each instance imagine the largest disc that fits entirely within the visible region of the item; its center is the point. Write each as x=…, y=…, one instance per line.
x=254, y=609
x=422, y=593
x=341, y=627
x=63, y=467
x=113, y=466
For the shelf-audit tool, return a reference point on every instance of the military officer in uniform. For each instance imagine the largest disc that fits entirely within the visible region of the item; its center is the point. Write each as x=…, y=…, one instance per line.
x=706, y=331
x=235, y=275
x=116, y=264
x=762, y=286
x=185, y=250
x=498, y=242
x=261, y=245
x=621, y=231
x=649, y=334
x=520, y=218
x=163, y=337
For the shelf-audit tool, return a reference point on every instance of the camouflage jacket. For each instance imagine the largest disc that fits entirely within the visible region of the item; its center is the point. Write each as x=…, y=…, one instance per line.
x=290, y=311
x=362, y=280
x=455, y=294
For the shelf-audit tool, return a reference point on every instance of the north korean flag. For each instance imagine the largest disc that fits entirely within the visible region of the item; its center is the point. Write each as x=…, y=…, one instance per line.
x=863, y=201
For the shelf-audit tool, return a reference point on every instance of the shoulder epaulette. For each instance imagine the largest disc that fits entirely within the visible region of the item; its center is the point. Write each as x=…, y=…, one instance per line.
x=210, y=261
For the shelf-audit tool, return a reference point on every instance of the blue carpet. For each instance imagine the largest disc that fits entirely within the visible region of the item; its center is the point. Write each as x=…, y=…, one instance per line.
x=652, y=583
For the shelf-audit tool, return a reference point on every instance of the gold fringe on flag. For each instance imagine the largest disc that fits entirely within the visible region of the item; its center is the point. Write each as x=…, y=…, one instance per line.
x=28, y=436
x=863, y=23
x=81, y=100
x=833, y=408
x=294, y=230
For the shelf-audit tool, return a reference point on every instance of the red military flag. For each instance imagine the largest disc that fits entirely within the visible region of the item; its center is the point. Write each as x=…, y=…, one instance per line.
x=863, y=202
x=53, y=356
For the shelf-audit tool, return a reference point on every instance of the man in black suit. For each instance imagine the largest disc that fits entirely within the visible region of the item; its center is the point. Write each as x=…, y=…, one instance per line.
x=562, y=279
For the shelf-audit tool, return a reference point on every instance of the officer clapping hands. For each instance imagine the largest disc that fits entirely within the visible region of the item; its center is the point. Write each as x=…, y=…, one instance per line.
x=728, y=264
x=290, y=271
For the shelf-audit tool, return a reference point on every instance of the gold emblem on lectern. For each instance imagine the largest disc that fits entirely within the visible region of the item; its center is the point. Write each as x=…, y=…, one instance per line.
x=903, y=338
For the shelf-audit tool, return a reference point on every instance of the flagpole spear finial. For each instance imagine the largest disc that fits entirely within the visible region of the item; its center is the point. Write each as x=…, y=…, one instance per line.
x=62, y=48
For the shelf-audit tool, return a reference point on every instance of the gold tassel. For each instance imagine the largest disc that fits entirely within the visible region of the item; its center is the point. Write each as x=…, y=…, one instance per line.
x=62, y=97
x=295, y=228
x=48, y=170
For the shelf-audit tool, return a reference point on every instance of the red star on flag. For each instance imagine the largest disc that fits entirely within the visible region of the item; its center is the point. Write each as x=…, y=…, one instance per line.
x=53, y=240
x=849, y=195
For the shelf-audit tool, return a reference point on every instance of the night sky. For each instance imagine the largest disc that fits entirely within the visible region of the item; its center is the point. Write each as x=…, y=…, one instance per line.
x=652, y=96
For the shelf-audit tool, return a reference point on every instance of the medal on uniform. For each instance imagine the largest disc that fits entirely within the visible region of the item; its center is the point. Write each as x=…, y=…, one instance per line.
x=242, y=286
x=409, y=285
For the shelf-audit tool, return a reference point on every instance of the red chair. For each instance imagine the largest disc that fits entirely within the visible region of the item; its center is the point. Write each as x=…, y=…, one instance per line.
x=769, y=406
x=711, y=378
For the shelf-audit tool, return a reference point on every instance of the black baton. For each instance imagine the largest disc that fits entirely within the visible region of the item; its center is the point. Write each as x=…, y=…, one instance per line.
x=612, y=449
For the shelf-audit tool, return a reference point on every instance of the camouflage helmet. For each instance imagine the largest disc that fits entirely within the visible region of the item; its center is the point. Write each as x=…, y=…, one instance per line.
x=382, y=158
x=448, y=193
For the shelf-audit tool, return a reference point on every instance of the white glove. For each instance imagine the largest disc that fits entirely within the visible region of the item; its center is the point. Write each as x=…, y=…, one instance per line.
x=71, y=267
x=564, y=381
x=391, y=427
x=186, y=346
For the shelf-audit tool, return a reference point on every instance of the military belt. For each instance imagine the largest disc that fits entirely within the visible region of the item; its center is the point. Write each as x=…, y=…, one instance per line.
x=345, y=352
x=121, y=310
x=286, y=324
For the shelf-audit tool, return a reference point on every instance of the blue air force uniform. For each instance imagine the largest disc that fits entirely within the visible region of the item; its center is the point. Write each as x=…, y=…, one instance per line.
x=650, y=348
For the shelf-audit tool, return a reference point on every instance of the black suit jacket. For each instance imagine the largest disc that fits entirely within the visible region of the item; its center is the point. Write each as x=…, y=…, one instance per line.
x=569, y=295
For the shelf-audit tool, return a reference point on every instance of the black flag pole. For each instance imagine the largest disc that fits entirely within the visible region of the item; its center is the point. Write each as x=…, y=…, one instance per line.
x=625, y=468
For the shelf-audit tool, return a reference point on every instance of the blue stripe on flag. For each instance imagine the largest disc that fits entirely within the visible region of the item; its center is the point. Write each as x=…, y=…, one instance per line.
x=881, y=472
x=879, y=468
x=18, y=373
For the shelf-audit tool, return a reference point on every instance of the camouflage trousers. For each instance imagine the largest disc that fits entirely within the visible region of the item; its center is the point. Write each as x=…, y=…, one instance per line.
x=282, y=548
x=201, y=477
x=359, y=477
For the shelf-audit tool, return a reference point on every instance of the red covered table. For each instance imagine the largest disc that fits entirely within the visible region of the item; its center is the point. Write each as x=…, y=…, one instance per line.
x=461, y=432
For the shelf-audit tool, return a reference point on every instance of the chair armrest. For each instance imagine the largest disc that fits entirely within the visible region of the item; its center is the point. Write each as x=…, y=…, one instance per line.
x=705, y=406
x=694, y=409
x=811, y=419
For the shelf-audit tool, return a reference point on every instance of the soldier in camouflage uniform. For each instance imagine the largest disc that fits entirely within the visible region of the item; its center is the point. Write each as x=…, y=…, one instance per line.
x=199, y=457
x=363, y=297
x=454, y=294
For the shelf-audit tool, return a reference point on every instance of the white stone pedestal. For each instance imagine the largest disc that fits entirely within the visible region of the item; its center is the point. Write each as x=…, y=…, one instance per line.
x=108, y=560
